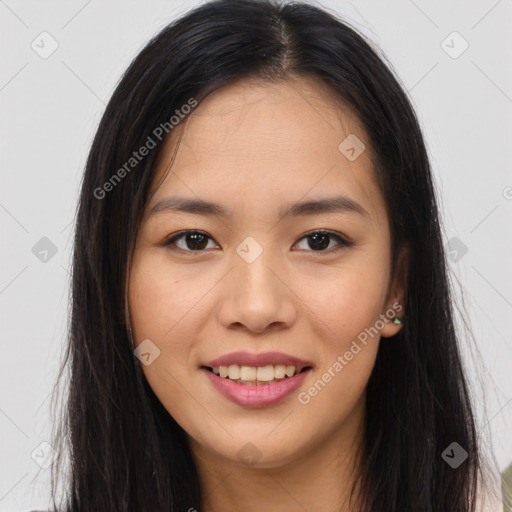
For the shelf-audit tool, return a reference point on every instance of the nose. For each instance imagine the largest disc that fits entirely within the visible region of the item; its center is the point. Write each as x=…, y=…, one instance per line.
x=257, y=296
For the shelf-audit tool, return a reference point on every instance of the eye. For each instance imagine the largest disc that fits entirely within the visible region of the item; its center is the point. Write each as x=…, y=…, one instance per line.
x=194, y=241
x=318, y=241
x=197, y=241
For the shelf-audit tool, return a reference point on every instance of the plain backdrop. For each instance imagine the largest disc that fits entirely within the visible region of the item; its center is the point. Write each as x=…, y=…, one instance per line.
x=460, y=84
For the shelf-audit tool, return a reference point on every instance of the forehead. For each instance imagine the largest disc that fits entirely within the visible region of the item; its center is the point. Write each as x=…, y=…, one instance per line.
x=258, y=143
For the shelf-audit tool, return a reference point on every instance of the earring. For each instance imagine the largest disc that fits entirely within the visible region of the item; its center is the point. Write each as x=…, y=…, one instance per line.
x=397, y=321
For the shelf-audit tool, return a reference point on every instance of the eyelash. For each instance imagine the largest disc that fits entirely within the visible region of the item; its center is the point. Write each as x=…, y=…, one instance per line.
x=343, y=242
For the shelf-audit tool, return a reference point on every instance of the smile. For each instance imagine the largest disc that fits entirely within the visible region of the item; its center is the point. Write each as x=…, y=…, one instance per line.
x=256, y=393
x=256, y=380
x=257, y=375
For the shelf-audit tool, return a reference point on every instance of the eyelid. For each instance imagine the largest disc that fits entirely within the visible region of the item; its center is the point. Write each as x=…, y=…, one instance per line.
x=343, y=241
x=346, y=240
x=168, y=242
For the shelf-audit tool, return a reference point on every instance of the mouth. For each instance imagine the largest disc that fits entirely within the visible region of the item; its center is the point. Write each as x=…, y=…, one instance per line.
x=257, y=375
x=256, y=380
x=256, y=386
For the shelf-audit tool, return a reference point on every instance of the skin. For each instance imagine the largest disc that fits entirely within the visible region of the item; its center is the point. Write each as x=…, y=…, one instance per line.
x=254, y=147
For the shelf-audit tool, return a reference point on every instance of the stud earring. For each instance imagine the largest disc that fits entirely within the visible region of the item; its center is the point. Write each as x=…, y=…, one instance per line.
x=397, y=321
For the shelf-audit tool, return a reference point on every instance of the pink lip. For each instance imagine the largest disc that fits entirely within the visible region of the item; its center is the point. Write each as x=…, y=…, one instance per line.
x=263, y=359
x=259, y=395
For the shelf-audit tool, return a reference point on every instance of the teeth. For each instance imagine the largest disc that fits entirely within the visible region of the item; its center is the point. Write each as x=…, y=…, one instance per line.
x=280, y=371
x=248, y=372
x=265, y=373
x=252, y=374
x=290, y=370
x=234, y=372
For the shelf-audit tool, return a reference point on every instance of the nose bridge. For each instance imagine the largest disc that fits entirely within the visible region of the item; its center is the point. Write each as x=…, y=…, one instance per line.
x=254, y=272
x=256, y=296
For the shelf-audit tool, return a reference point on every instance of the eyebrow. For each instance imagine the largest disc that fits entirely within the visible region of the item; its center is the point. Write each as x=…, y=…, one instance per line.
x=338, y=204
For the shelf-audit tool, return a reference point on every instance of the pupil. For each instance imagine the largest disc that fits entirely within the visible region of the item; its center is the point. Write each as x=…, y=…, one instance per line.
x=198, y=241
x=323, y=236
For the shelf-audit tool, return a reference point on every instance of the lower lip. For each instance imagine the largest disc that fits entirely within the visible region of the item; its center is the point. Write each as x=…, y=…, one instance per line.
x=260, y=395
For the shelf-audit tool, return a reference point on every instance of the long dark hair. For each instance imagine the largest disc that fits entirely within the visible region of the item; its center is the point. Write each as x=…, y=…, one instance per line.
x=126, y=453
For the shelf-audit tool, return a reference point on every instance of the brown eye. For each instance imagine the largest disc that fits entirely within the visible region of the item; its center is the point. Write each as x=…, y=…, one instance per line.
x=319, y=241
x=188, y=241
x=197, y=241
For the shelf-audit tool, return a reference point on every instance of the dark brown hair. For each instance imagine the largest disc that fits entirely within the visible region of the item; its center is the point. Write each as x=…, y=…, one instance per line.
x=126, y=453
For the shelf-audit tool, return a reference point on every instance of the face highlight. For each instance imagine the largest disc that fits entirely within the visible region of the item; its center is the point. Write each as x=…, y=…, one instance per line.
x=282, y=244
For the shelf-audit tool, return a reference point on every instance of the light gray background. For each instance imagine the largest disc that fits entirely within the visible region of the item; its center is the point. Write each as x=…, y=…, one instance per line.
x=49, y=112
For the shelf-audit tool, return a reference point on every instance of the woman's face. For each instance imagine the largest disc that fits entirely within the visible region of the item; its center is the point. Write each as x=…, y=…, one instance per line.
x=262, y=286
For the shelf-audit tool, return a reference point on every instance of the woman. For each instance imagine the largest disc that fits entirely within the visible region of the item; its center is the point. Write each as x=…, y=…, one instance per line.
x=261, y=316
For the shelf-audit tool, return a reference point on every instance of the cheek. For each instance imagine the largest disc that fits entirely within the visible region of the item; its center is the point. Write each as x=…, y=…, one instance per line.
x=346, y=302
x=160, y=299
x=350, y=307
x=163, y=307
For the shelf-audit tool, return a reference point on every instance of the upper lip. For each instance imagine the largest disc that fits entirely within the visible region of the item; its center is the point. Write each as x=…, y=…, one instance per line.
x=262, y=359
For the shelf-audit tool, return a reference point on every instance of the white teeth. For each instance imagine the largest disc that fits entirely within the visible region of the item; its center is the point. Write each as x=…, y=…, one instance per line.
x=234, y=372
x=280, y=371
x=290, y=370
x=251, y=374
x=265, y=373
x=248, y=373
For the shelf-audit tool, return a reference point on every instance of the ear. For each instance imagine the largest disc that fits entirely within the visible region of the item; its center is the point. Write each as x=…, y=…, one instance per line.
x=395, y=302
